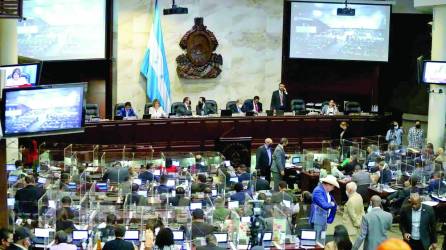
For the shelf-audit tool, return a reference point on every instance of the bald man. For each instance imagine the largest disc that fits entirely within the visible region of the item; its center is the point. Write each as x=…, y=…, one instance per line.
x=374, y=226
x=264, y=158
x=418, y=224
x=353, y=210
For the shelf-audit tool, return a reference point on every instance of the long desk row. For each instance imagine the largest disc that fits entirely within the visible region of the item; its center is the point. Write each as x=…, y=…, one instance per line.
x=201, y=133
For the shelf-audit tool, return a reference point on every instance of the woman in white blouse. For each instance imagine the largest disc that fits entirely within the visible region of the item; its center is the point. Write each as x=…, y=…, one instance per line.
x=156, y=111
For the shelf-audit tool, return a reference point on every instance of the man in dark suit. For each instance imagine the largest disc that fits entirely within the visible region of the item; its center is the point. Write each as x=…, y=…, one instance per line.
x=255, y=105
x=260, y=184
x=204, y=108
x=27, y=197
x=119, y=243
x=21, y=239
x=278, y=165
x=185, y=109
x=282, y=195
x=236, y=107
x=418, y=224
x=199, y=227
x=264, y=159
x=163, y=188
x=279, y=99
x=146, y=175
x=116, y=174
x=127, y=111
x=211, y=244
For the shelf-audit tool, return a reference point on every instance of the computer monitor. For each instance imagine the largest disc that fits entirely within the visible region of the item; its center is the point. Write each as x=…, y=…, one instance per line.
x=80, y=234
x=221, y=237
x=41, y=232
x=143, y=193
x=246, y=219
x=233, y=179
x=12, y=179
x=226, y=113
x=137, y=181
x=434, y=72
x=101, y=187
x=268, y=236
x=41, y=180
x=131, y=235
x=227, y=163
x=178, y=235
x=176, y=163
x=72, y=186
x=233, y=204
x=157, y=172
x=19, y=75
x=295, y=160
x=11, y=202
x=11, y=167
x=170, y=183
x=52, y=204
x=308, y=238
x=196, y=205
x=214, y=192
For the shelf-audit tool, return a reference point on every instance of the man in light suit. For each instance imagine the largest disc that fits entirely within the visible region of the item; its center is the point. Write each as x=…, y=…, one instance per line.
x=279, y=99
x=418, y=224
x=353, y=210
x=374, y=226
x=278, y=164
x=264, y=159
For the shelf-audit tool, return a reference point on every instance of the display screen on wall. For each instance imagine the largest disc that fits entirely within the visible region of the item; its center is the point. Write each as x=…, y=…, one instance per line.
x=318, y=32
x=62, y=29
x=434, y=72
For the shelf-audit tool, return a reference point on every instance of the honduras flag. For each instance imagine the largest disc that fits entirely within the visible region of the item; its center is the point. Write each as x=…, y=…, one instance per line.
x=154, y=64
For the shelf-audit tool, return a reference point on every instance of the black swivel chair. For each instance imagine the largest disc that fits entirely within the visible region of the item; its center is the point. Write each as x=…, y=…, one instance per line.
x=118, y=106
x=213, y=106
x=352, y=107
x=147, y=107
x=91, y=111
x=231, y=105
x=298, y=106
x=174, y=107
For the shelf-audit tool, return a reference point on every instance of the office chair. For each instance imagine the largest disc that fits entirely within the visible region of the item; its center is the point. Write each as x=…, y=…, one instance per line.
x=213, y=106
x=231, y=105
x=298, y=106
x=174, y=107
x=117, y=114
x=352, y=107
x=91, y=111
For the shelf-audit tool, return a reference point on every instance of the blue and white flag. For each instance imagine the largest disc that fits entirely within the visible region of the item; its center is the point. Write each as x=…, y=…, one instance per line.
x=154, y=65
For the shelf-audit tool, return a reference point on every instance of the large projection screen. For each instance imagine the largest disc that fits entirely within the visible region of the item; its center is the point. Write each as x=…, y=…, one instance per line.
x=317, y=32
x=62, y=29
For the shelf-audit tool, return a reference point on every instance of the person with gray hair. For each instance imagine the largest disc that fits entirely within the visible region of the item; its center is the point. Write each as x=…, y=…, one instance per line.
x=353, y=210
x=60, y=240
x=211, y=243
x=278, y=164
x=374, y=226
x=264, y=159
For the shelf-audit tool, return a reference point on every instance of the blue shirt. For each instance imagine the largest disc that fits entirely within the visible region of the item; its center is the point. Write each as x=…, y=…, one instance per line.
x=145, y=177
x=244, y=177
x=164, y=189
x=240, y=197
x=395, y=136
x=416, y=220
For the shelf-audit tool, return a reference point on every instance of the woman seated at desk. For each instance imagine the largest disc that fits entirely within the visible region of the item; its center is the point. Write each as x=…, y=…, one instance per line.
x=156, y=111
x=328, y=169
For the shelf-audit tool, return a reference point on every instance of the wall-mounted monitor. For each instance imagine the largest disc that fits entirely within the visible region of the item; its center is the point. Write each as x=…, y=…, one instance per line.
x=19, y=75
x=62, y=29
x=434, y=72
x=43, y=110
x=320, y=31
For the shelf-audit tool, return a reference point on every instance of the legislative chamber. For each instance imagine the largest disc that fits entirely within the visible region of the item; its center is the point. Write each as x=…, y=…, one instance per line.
x=177, y=125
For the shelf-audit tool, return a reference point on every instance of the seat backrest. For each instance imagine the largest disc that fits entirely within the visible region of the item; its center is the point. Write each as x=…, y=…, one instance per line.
x=352, y=107
x=147, y=107
x=118, y=106
x=247, y=101
x=213, y=105
x=92, y=110
x=297, y=105
x=230, y=104
x=363, y=190
x=174, y=107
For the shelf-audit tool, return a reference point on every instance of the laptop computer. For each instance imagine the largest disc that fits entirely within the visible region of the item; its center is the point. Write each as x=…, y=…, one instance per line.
x=137, y=181
x=196, y=205
x=79, y=236
x=12, y=179
x=295, y=160
x=233, y=204
x=178, y=237
x=11, y=167
x=308, y=238
x=170, y=183
x=132, y=236
x=101, y=187
x=249, y=113
x=222, y=240
x=148, y=116
x=41, y=236
x=226, y=113
x=41, y=180
x=270, y=112
x=268, y=239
